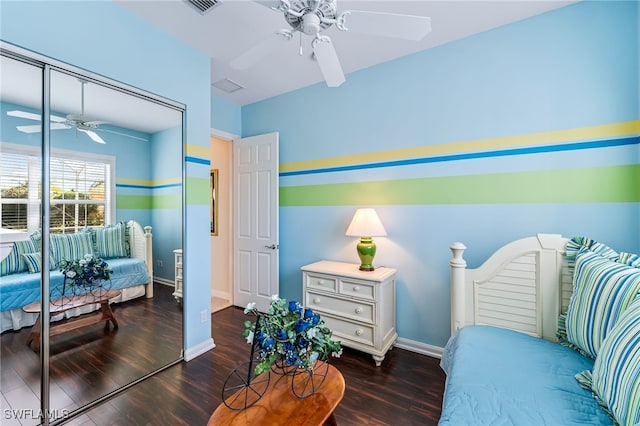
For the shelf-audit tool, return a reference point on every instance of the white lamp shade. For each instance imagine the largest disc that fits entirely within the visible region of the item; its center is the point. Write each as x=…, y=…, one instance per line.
x=366, y=223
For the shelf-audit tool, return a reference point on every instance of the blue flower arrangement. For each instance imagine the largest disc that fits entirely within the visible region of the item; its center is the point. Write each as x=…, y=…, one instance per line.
x=289, y=334
x=87, y=271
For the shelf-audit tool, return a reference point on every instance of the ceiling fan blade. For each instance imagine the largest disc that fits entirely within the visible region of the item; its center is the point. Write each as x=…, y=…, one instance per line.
x=93, y=135
x=29, y=129
x=36, y=127
x=260, y=50
x=328, y=60
x=123, y=134
x=32, y=116
x=408, y=27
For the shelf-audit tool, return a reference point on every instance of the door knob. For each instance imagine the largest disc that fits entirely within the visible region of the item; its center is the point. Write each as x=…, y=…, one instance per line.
x=272, y=247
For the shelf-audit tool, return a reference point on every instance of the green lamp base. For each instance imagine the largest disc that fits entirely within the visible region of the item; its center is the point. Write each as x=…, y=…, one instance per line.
x=366, y=251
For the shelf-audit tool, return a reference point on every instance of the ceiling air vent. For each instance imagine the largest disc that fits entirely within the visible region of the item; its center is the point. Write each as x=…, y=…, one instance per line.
x=227, y=85
x=203, y=6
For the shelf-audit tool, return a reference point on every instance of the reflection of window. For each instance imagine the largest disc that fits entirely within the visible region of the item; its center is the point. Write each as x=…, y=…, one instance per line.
x=81, y=189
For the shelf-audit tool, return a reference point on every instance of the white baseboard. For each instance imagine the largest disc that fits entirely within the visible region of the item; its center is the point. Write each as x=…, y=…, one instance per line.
x=199, y=349
x=418, y=347
x=164, y=281
x=221, y=294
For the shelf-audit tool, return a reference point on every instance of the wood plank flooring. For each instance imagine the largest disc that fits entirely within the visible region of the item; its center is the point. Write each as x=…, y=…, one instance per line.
x=407, y=389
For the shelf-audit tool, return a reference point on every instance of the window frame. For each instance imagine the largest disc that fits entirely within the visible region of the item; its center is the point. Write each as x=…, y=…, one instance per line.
x=34, y=167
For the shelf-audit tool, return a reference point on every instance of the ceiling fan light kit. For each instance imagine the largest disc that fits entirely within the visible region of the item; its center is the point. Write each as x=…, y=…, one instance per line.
x=311, y=17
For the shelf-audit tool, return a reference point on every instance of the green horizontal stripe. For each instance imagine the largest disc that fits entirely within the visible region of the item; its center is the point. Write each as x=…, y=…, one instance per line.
x=133, y=201
x=586, y=185
x=148, y=202
x=166, y=201
x=198, y=191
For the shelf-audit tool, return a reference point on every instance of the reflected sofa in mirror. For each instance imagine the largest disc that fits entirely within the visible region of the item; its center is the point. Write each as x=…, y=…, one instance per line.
x=115, y=192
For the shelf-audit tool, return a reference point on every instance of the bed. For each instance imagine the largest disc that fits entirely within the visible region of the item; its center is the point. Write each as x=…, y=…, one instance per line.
x=503, y=362
x=132, y=275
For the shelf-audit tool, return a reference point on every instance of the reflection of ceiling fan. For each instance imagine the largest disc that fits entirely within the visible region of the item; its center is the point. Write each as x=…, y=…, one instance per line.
x=311, y=17
x=79, y=122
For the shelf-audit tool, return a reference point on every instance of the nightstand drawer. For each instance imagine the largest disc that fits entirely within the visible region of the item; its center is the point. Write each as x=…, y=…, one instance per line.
x=322, y=282
x=353, y=309
x=347, y=330
x=357, y=289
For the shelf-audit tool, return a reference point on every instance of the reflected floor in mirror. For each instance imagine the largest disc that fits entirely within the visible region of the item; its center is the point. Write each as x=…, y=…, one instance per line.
x=90, y=362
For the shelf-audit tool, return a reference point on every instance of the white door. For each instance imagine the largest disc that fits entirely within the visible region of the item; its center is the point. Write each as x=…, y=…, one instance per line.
x=255, y=235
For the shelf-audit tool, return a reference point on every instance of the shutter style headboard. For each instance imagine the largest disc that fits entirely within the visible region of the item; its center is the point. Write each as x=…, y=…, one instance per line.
x=523, y=286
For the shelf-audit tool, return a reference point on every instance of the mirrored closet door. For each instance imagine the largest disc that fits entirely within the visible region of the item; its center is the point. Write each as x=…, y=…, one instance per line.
x=112, y=172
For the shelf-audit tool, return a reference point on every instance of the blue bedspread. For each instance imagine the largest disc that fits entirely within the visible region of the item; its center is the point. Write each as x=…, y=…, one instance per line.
x=502, y=377
x=18, y=290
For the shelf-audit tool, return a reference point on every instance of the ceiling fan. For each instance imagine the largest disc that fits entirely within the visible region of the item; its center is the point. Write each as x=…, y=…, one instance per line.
x=80, y=122
x=311, y=17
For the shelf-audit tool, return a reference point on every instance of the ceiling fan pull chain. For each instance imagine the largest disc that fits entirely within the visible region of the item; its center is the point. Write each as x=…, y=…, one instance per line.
x=300, y=43
x=82, y=97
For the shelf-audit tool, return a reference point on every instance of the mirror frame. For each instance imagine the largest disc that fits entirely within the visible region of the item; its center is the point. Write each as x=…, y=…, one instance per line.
x=47, y=64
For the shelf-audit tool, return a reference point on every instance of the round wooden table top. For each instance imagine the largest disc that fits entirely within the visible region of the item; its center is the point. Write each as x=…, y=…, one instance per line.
x=280, y=406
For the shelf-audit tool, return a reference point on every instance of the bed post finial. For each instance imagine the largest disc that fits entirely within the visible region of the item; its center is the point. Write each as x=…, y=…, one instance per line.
x=149, y=259
x=457, y=270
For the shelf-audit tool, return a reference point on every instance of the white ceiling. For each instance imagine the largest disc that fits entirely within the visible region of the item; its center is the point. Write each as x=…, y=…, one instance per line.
x=234, y=26
x=21, y=84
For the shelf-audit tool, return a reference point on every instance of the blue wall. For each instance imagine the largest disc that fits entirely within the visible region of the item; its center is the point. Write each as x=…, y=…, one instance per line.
x=531, y=127
x=226, y=116
x=123, y=47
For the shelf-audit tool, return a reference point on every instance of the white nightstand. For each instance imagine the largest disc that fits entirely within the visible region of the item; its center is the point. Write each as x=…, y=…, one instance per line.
x=358, y=306
x=177, y=292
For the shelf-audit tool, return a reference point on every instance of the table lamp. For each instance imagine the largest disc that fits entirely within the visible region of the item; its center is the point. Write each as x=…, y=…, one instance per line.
x=366, y=224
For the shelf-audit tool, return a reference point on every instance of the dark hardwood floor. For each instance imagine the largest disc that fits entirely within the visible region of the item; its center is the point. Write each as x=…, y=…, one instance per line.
x=407, y=389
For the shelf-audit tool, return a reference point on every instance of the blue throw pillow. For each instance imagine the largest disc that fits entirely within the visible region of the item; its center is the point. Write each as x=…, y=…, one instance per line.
x=615, y=380
x=602, y=290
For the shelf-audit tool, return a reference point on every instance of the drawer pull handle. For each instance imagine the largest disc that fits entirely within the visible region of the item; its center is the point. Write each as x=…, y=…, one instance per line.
x=358, y=310
x=316, y=300
x=359, y=332
x=356, y=288
x=320, y=282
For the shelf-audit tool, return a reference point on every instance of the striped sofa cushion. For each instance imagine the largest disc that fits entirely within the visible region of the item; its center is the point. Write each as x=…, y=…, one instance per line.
x=14, y=262
x=34, y=262
x=602, y=290
x=110, y=241
x=615, y=380
x=70, y=246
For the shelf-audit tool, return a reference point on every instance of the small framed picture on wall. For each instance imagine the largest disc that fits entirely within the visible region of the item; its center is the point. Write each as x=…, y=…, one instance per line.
x=214, y=202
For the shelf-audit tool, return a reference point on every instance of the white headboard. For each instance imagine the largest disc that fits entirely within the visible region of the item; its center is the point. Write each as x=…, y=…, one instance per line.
x=523, y=286
x=140, y=243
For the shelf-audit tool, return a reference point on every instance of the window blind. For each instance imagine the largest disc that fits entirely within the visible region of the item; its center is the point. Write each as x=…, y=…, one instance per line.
x=81, y=188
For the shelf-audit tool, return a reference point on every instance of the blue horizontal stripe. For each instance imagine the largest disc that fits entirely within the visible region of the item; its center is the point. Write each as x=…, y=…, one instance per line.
x=168, y=185
x=197, y=160
x=128, y=185
x=473, y=155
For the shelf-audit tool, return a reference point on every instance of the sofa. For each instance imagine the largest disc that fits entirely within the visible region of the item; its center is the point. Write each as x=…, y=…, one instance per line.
x=545, y=332
x=125, y=246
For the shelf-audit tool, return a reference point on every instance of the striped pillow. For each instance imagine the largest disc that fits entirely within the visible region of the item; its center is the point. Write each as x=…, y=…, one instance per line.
x=577, y=244
x=110, y=241
x=615, y=380
x=34, y=262
x=602, y=290
x=70, y=246
x=14, y=262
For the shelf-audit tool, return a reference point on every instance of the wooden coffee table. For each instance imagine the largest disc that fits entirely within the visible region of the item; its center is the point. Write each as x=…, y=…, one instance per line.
x=56, y=307
x=279, y=405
